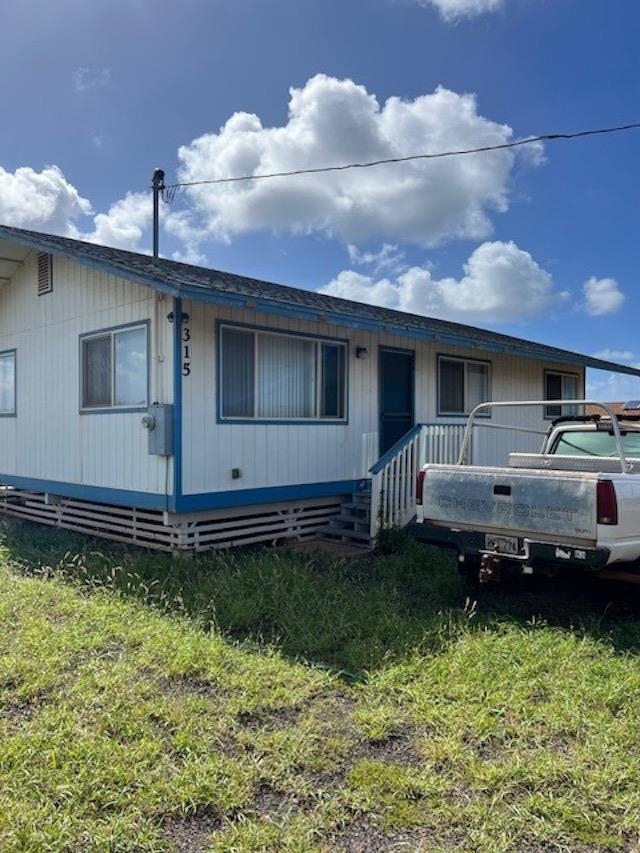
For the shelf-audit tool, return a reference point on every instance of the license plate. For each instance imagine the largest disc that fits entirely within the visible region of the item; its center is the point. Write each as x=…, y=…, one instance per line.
x=501, y=544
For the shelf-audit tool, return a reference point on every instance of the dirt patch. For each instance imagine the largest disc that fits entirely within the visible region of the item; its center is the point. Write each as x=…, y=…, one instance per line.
x=189, y=685
x=267, y=719
x=332, y=549
x=362, y=836
x=19, y=712
x=397, y=748
x=191, y=833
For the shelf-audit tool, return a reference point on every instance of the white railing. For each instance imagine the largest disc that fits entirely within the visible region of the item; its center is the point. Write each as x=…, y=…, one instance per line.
x=393, y=477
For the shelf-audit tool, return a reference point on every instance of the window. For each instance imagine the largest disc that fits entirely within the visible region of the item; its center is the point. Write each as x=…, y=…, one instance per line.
x=114, y=369
x=596, y=442
x=462, y=384
x=274, y=376
x=560, y=386
x=8, y=383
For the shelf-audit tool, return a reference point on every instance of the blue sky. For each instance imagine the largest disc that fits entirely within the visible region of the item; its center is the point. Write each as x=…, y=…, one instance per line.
x=542, y=244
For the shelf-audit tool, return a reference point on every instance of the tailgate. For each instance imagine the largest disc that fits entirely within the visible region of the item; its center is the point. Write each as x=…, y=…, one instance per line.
x=544, y=503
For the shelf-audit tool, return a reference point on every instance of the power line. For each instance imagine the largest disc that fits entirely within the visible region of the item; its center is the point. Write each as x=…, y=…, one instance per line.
x=545, y=137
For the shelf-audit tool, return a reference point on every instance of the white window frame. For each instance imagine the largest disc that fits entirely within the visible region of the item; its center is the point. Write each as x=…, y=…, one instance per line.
x=563, y=374
x=466, y=362
x=317, y=417
x=112, y=333
x=12, y=412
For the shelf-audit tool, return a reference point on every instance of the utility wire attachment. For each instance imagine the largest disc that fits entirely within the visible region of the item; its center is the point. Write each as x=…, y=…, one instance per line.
x=544, y=137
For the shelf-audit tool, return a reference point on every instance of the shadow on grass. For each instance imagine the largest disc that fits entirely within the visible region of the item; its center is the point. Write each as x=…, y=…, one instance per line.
x=354, y=614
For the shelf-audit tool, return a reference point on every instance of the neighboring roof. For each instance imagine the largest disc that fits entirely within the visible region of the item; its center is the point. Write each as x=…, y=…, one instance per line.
x=616, y=408
x=206, y=285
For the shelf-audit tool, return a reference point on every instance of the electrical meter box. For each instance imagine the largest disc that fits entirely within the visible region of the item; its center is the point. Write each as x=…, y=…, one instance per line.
x=159, y=422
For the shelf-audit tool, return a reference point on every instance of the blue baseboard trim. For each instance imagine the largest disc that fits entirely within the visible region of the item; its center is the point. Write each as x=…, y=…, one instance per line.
x=273, y=494
x=119, y=497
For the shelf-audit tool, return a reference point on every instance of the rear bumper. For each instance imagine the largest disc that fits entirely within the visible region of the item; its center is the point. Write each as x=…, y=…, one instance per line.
x=470, y=545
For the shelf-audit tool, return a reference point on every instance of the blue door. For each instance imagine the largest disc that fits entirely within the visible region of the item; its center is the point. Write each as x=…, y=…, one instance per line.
x=396, y=395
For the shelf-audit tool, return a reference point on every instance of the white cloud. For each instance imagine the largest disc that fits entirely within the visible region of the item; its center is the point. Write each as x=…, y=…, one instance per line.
x=125, y=223
x=612, y=387
x=454, y=10
x=44, y=201
x=336, y=122
x=602, y=296
x=616, y=355
x=85, y=79
x=501, y=283
x=388, y=257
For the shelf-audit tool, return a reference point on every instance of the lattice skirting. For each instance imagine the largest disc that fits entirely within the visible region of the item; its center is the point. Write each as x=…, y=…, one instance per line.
x=201, y=531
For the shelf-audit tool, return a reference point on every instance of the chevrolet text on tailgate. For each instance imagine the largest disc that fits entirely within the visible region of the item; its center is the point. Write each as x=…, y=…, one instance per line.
x=576, y=503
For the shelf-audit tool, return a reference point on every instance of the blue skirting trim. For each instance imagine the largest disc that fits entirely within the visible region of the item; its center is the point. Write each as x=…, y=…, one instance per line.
x=99, y=494
x=247, y=497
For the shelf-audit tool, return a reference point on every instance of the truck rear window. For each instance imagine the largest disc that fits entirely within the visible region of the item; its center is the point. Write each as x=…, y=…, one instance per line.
x=596, y=443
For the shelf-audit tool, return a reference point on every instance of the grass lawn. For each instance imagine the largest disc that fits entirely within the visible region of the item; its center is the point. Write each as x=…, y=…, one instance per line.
x=278, y=701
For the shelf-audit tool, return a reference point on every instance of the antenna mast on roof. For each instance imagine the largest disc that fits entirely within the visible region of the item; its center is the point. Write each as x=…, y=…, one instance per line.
x=157, y=185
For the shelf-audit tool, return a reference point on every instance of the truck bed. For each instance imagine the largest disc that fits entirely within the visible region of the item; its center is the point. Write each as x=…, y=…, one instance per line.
x=549, y=504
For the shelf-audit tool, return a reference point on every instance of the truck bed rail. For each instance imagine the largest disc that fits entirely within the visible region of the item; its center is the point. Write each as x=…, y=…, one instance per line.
x=622, y=463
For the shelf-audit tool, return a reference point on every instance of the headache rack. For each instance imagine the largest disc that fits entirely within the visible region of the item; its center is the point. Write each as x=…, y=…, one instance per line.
x=625, y=466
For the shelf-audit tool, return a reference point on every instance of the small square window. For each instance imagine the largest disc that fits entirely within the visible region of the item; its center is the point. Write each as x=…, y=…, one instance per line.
x=114, y=369
x=462, y=385
x=560, y=386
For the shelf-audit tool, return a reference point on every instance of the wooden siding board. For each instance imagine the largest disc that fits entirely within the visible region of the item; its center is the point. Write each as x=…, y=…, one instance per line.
x=49, y=439
x=270, y=454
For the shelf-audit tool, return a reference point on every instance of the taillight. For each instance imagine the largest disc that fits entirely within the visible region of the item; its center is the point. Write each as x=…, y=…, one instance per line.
x=420, y=486
x=607, y=502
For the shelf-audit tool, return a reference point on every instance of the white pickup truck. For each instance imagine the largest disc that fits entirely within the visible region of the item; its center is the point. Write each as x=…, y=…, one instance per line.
x=576, y=503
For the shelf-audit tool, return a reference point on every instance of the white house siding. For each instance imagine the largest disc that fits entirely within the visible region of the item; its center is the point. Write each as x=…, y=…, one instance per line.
x=284, y=454
x=49, y=439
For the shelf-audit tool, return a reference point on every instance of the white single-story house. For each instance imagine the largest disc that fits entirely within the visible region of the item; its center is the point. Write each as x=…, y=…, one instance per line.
x=182, y=407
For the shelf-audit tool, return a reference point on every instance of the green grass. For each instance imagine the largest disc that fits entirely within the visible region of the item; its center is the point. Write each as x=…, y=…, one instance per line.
x=270, y=700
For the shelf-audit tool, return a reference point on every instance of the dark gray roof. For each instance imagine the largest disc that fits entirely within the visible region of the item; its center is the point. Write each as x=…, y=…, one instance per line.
x=206, y=285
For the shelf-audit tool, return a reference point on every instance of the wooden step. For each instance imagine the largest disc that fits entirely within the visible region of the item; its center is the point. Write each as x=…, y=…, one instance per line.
x=335, y=534
x=363, y=507
x=348, y=519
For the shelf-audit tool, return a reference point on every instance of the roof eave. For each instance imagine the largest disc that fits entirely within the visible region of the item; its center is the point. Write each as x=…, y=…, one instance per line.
x=270, y=306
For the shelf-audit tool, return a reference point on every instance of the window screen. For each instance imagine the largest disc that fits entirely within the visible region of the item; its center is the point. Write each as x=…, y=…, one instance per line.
x=97, y=372
x=7, y=383
x=272, y=376
x=462, y=385
x=238, y=369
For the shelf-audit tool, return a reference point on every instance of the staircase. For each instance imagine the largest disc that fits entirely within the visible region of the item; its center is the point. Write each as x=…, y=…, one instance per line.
x=353, y=523
x=388, y=499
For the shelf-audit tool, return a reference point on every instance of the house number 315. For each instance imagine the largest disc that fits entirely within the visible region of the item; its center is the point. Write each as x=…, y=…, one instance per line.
x=186, y=351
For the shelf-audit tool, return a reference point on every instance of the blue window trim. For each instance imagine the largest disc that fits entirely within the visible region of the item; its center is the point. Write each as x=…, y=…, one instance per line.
x=279, y=421
x=115, y=410
x=100, y=494
x=463, y=415
x=14, y=413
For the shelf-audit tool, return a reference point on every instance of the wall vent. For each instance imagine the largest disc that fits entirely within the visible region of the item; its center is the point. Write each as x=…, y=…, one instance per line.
x=45, y=273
